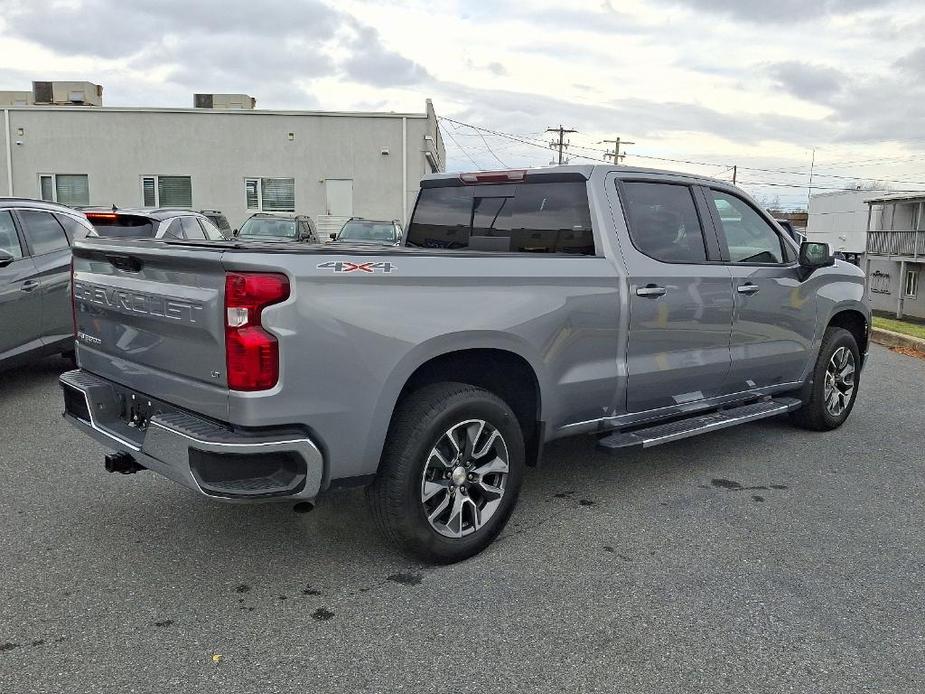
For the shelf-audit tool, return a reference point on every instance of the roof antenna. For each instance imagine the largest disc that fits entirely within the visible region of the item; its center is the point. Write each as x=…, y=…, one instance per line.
x=114, y=208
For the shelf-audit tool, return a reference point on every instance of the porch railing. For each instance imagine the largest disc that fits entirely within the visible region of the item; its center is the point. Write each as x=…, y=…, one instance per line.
x=909, y=244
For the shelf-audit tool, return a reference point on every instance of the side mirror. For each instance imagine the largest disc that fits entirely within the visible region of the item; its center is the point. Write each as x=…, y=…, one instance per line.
x=332, y=236
x=814, y=254
x=234, y=232
x=5, y=258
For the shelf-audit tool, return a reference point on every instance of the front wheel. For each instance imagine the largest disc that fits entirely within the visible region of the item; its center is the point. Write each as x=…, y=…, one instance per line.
x=450, y=472
x=828, y=400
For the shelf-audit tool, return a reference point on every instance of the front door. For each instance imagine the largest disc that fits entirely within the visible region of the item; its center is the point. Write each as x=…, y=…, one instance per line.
x=680, y=297
x=775, y=310
x=20, y=295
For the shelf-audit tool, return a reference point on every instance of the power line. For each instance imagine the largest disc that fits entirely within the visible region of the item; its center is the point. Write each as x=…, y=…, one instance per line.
x=698, y=163
x=491, y=151
x=461, y=149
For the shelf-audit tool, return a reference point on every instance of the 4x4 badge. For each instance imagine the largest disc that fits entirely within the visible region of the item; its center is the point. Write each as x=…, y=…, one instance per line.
x=348, y=266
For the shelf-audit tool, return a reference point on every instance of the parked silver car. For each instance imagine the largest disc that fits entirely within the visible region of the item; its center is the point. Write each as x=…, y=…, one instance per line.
x=35, y=279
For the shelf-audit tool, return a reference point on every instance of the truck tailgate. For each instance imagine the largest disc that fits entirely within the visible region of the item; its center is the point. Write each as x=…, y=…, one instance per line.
x=151, y=317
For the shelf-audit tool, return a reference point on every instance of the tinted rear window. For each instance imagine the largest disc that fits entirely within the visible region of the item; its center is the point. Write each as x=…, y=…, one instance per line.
x=518, y=218
x=122, y=225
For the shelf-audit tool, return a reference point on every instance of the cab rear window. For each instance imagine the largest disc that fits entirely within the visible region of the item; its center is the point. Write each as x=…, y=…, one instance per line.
x=507, y=218
x=122, y=225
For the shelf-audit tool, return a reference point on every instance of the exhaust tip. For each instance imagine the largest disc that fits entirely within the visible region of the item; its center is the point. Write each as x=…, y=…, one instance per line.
x=303, y=507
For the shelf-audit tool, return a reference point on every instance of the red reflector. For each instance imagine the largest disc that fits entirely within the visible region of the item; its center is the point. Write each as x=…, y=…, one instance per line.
x=493, y=177
x=251, y=353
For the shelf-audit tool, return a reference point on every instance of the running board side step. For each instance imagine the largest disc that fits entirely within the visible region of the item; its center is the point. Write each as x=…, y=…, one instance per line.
x=700, y=424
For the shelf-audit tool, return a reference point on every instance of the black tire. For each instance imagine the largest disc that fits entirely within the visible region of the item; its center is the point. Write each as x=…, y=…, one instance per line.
x=419, y=423
x=814, y=414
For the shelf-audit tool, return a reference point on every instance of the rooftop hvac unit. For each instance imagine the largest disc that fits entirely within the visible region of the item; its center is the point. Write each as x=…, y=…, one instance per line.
x=202, y=101
x=42, y=92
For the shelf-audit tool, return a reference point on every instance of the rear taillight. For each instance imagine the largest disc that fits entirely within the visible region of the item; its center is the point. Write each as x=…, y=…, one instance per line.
x=251, y=353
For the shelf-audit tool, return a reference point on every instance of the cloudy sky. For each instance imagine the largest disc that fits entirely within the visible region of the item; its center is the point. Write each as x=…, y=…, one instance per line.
x=705, y=83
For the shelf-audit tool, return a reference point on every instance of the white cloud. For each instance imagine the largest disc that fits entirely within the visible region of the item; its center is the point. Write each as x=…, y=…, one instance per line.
x=725, y=81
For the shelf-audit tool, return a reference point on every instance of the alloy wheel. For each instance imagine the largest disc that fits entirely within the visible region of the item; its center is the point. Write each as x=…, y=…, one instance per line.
x=839, y=381
x=464, y=478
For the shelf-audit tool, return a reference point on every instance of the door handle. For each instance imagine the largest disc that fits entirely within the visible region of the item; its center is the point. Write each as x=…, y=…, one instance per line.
x=748, y=288
x=29, y=285
x=652, y=290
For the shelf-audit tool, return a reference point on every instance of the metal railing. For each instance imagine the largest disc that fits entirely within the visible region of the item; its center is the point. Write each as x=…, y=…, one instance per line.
x=909, y=244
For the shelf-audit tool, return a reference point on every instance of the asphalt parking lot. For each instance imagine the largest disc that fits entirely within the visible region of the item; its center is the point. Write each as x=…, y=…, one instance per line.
x=763, y=558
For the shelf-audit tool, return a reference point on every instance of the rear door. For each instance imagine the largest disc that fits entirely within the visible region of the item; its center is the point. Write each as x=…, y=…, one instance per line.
x=20, y=294
x=775, y=312
x=51, y=254
x=680, y=298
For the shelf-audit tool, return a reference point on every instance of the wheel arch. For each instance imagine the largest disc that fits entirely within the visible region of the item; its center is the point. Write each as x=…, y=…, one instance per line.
x=497, y=365
x=856, y=322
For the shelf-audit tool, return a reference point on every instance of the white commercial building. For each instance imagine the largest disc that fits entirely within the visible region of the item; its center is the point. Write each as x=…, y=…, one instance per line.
x=895, y=254
x=839, y=218
x=224, y=155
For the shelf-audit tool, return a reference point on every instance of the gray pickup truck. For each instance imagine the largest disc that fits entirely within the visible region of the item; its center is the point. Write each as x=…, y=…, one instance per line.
x=635, y=305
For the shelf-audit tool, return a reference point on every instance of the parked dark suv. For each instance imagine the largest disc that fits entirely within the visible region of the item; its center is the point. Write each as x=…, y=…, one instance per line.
x=35, y=278
x=152, y=224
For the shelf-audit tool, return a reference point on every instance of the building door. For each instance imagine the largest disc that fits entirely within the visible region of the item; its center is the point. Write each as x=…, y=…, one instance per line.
x=338, y=196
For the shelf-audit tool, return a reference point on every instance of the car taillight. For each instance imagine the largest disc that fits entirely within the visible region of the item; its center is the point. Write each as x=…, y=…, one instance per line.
x=251, y=353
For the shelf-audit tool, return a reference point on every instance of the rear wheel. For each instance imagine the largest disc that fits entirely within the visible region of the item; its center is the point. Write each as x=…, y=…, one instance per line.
x=450, y=472
x=828, y=400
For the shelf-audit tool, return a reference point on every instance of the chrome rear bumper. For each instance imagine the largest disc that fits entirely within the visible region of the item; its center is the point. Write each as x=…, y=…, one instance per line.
x=205, y=456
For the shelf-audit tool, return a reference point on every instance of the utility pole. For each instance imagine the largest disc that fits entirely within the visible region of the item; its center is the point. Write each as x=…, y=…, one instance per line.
x=735, y=171
x=809, y=189
x=617, y=157
x=561, y=144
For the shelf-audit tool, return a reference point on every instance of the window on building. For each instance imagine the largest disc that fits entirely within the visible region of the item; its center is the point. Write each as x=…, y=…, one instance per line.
x=67, y=189
x=167, y=191
x=663, y=222
x=270, y=194
x=911, y=284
